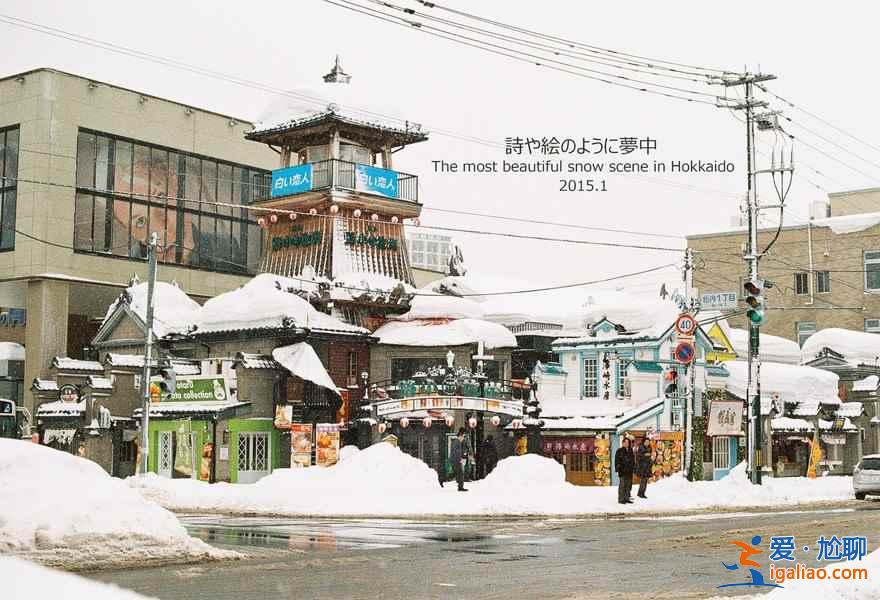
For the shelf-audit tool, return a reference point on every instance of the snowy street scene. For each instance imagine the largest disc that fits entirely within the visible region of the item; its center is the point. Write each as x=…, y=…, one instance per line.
x=416, y=300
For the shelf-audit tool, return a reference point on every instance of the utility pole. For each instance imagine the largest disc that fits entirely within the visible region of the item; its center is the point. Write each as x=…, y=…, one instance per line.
x=753, y=386
x=688, y=394
x=148, y=357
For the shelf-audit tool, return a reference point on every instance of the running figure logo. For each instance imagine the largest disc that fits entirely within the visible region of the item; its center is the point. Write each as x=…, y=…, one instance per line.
x=746, y=552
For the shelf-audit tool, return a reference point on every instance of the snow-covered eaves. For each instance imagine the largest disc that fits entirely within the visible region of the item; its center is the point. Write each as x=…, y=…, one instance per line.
x=443, y=332
x=99, y=383
x=868, y=384
x=856, y=347
x=595, y=415
x=168, y=409
x=850, y=409
x=333, y=115
x=11, y=351
x=181, y=366
x=61, y=409
x=839, y=225
x=44, y=385
x=772, y=348
x=62, y=363
x=790, y=424
x=246, y=360
x=793, y=383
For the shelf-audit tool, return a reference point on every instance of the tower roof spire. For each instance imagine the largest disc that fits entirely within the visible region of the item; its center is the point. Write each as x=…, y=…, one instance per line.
x=336, y=74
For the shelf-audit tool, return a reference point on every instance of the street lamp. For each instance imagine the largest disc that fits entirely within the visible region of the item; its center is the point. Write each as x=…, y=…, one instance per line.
x=365, y=415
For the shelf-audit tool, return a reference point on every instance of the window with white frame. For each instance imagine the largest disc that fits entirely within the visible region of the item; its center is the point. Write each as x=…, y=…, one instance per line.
x=591, y=377
x=823, y=282
x=721, y=452
x=872, y=325
x=872, y=270
x=623, y=386
x=804, y=330
x=801, y=283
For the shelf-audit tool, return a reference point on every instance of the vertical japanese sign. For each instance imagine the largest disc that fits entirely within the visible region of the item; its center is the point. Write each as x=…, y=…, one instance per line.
x=283, y=416
x=374, y=180
x=327, y=445
x=291, y=180
x=300, y=445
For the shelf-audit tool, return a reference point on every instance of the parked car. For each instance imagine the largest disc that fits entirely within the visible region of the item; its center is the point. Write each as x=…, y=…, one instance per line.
x=866, y=476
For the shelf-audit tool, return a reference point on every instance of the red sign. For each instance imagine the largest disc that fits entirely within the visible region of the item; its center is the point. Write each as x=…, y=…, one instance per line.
x=685, y=324
x=569, y=445
x=685, y=352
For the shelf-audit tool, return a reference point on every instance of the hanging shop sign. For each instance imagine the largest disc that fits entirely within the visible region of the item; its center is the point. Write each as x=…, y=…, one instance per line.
x=68, y=393
x=297, y=239
x=300, y=445
x=513, y=408
x=370, y=238
x=374, y=180
x=199, y=388
x=326, y=445
x=291, y=180
x=725, y=418
x=567, y=445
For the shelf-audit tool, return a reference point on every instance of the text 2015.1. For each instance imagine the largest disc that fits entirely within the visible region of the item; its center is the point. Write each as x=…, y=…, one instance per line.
x=582, y=185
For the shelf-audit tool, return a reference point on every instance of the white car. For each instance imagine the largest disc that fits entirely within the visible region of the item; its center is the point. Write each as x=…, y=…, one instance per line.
x=866, y=476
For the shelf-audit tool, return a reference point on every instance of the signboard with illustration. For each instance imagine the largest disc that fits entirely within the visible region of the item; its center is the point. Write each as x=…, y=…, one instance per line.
x=199, y=388
x=374, y=180
x=725, y=418
x=291, y=180
x=326, y=445
x=300, y=445
x=283, y=416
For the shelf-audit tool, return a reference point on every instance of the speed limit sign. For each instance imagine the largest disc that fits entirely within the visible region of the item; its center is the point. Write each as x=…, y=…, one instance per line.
x=686, y=325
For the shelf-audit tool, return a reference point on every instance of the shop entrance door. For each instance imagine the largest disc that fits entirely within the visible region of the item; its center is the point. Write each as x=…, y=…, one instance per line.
x=165, y=459
x=253, y=456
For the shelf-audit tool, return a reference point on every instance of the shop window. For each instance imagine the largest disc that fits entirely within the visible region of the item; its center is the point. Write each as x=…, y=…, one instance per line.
x=801, y=283
x=872, y=325
x=623, y=384
x=823, y=282
x=591, y=377
x=872, y=271
x=8, y=186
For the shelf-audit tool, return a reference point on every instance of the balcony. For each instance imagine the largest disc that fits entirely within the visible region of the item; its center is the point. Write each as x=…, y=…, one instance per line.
x=335, y=173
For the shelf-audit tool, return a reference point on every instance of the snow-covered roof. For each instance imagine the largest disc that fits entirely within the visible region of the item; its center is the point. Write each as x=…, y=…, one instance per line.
x=45, y=385
x=246, y=360
x=62, y=363
x=868, y=384
x=160, y=409
x=789, y=424
x=11, y=351
x=438, y=306
x=772, y=348
x=173, y=310
x=794, y=383
x=267, y=302
x=563, y=414
x=840, y=225
x=99, y=383
x=639, y=317
x=443, y=332
x=301, y=360
x=61, y=409
x=857, y=347
x=850, y=409
x=181, y=366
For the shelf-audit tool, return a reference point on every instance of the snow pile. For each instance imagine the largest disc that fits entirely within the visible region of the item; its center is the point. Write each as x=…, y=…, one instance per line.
x=173, y=310
x=805, y=385
x=302, y=360
x=772, y=348
x=524, y=472
x=11, y=351
x=63, y=510
x=347, y=452
x=265, y=301
x=428, y=306
x=358, y=282
x=23, y=580
x=855, y=346
x=445, y=333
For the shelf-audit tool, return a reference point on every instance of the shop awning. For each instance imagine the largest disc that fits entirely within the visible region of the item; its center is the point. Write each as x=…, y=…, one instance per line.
x=301, y=360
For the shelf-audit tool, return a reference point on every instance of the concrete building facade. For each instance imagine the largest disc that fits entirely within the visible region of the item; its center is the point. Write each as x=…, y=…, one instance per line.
x=90, y=171
x=825, y=272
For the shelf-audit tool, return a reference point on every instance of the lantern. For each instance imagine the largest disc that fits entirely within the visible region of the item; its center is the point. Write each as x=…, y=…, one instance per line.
x=404, y=422
x=292, y=216
x=416, y=222
x=382, y=427
x=427, y=422
x=334, y=209
x=495, y=420
x=313, y=211
x=357, y=213
x=472, y=422
x=516, y=424
x=394, y=219
x=261, y=221
x=273, y=218
x=450, y=420
x=375, y=217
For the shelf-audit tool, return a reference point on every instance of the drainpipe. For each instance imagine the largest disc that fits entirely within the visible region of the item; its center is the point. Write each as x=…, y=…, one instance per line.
x=214, y=451
x=810, y=251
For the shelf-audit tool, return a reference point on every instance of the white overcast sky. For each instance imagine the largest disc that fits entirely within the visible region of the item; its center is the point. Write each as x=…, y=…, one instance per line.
x=824, y=58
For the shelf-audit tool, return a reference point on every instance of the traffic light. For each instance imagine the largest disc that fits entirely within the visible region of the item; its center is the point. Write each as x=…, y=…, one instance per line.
x=755, y=300
x=671, y=379
x=168, y=381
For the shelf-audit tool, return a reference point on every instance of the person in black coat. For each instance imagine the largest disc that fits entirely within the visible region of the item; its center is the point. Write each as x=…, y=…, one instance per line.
x=624, y=464
x=644, y=466
x=458, y=456
x=490, y=455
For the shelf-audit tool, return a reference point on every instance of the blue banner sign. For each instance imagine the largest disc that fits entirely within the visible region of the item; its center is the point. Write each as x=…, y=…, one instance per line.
x=291, y=180
x=374, y=180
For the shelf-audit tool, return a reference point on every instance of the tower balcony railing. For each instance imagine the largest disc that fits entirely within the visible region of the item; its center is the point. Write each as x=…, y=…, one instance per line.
x=448, y=384
x=336, y=173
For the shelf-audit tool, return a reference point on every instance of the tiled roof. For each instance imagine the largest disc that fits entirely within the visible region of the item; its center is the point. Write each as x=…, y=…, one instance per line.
x=61, y=409
x=45, y=385
x=99, y=383
x=850, y=409
x=256, y=361
x=62, y=363
x=181, y=366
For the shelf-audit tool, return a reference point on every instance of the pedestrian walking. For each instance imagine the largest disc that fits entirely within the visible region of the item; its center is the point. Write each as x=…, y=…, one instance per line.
x=490, y=455
x=624, y=463
x=644, y=466
x=458, y=455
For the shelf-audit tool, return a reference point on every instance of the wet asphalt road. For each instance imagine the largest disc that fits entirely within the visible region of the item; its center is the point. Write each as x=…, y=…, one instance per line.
x=667, y=557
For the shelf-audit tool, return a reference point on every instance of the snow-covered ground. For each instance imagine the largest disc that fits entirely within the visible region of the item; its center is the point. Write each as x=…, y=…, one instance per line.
x=23, y=580
x=62, y=510
x=383, y=481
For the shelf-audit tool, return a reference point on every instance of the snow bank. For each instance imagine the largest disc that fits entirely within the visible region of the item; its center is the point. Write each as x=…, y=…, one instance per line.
x=23, y=580
x=855, y=346
x=347, y=452
x=772, y=349
x=806, y=385
x=383, y=481
x=445, y=333
x=63, y=510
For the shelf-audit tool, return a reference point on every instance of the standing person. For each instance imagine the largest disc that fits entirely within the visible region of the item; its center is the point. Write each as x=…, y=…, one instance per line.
x=458, y=454
x=490, y=455
x=624, y=463
x=644, y=466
